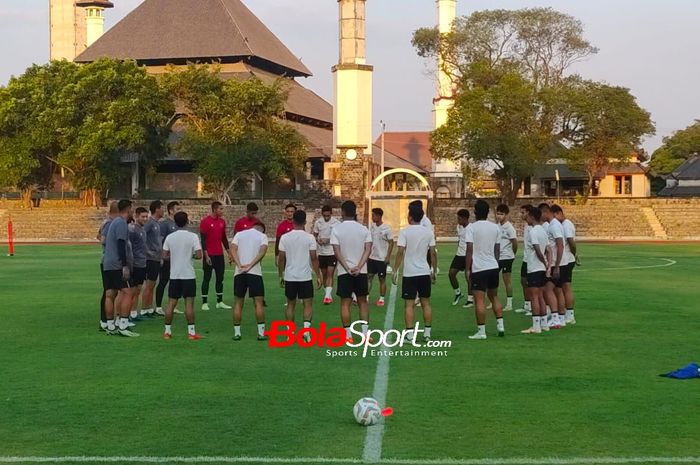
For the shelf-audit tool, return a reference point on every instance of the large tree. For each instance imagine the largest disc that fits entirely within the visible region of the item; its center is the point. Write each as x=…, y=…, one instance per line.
x=601, y=125
x=676, y=149
x=234, y=128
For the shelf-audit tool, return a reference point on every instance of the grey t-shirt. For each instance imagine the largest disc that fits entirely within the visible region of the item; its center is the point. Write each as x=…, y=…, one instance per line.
x=104, y=227
x=137, y=237
x=154, y=241
x=118, y=230
x=167, y=227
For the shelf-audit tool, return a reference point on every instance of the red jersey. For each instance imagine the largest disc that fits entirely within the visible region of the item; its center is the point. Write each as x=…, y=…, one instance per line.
x=284, y=227
x=214, y=231
x=244, y=223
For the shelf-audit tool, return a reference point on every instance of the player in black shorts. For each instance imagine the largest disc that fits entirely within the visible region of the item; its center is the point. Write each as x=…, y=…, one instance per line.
x=459, y=262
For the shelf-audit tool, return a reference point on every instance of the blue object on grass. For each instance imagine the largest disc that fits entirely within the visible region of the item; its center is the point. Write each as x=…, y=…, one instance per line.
x=692, y=370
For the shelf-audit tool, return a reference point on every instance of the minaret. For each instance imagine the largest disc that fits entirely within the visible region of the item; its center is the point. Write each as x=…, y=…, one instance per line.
x=352, y=78
x=94, y=18
x=447, y=13
x=69, y=26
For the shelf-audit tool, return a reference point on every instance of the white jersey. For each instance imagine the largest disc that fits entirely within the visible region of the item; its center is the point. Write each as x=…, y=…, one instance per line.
x=249, y=243
x=417, y=241
x=462, y=240
x=569, y=233
x=537, y=237
x=554, y=232
x=381, y=238
x=296, y=246
x=484, y=235
x=323, y=229
x=507, y=235
x=351, y=237
x=182, y=245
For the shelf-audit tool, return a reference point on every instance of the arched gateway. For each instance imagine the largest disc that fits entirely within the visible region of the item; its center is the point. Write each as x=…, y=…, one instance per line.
x=393, y=190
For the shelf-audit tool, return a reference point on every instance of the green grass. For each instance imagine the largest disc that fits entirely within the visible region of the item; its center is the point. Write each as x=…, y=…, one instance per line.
x=588, y=390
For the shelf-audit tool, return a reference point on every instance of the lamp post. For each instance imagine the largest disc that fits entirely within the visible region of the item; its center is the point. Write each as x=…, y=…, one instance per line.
x=383, y=126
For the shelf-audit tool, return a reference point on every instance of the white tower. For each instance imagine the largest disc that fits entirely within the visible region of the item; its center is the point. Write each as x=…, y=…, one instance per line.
x=94, y=18
x=71, y=31
x=352, y=78
x=447, y=13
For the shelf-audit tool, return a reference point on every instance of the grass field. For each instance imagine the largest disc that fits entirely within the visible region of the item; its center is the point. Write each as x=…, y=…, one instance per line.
x=586, y=391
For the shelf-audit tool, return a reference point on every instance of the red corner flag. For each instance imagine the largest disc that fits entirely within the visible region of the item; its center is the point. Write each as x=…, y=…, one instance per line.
x=10, y=238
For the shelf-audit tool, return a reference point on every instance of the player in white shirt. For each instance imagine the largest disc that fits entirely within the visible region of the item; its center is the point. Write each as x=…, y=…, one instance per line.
x=553, y=294
x=296, y=260
x=426, y=223
x=509, y=247
x=326, y=258
x=568, y=264
x=352, y=244
x=459, y=262
x=180, y=247
x=415, y=244
x=527, y=306
x=535, y=255
x=382, y=246
x=248, y=249
x=483, y=251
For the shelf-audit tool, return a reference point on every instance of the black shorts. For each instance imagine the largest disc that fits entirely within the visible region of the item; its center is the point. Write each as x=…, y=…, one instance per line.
x=565, y=274
x=182, y=288
x=137, y=277
x=152, y=270
x=459, y=263
x=326, y=261
x=113, y=280
x=523, y=270
x=485, y=280
x=506, y=266
x=416, y=286
x=294, y=290
x=536, y=279
x=377, y=267
x=348, y=284
x=248, y=283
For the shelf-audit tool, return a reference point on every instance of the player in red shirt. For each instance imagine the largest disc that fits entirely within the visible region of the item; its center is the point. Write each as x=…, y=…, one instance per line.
x=249, y=220
x=285, y=226
x=214, y=241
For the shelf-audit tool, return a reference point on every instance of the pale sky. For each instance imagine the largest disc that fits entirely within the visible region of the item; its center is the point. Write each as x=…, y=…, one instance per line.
x=650, y=46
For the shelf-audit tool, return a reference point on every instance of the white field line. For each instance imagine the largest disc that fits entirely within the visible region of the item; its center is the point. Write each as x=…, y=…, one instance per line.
x=668, y=261
x=372, y=452
x=331, y=460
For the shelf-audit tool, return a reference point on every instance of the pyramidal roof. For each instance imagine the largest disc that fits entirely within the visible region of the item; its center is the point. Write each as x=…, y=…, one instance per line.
x=177, y=31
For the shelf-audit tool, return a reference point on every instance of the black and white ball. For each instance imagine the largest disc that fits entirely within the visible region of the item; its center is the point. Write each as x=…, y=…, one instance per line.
x=367, y=411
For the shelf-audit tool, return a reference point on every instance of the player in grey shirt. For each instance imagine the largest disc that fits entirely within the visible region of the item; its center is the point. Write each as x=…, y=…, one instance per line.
x=102, y=237
x=167, y=227
x=154, y=253
x=117, y=273
x=137, y=238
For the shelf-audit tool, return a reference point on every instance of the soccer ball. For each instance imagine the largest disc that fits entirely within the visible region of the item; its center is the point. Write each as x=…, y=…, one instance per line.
x=367, y=411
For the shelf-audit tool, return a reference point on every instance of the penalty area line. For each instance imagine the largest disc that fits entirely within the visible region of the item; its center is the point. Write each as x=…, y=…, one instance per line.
x=668, y=261
x=372, y=452
x=331, y=460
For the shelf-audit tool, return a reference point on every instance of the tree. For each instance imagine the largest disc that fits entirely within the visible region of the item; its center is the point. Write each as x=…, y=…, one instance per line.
x=29, y=140
x=234, y=129
x=498, y=121
x=676, y=149
x=601, y=125
x=541, y=42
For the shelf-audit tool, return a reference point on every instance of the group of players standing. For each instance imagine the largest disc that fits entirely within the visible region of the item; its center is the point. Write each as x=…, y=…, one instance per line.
x=142, y=253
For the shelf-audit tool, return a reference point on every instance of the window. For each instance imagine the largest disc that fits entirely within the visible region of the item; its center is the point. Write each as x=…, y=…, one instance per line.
x=623, y=185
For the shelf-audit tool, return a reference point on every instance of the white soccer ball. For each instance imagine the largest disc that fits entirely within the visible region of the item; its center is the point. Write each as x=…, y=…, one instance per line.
x=367, y=411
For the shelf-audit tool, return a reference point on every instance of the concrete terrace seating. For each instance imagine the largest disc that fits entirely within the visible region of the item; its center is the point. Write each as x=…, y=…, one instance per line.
x=679, y=221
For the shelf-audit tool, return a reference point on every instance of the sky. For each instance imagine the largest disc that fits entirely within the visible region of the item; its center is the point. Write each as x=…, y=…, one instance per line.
x=649, y=46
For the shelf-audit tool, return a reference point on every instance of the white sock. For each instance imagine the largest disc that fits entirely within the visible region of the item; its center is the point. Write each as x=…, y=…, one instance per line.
x=481, y=329
x=527, y=306
x=123, y=323
x=168, y=329
x=236, y=330
x=458, y=291
x=110, y=325
x=307, y=324
x=409, y=335
x=499, y=325
x=144, y=311
x=549, y=311
x=261, y=329
x=190, y=330
x=103, y=324
x=329, y=292
x=365, y=328
x=569, y=313
x=470, y=298
x=536, y=322
x=509, y=301
x=348, y=334
x=381, y=298
x=426, y=331
x=134, y=314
